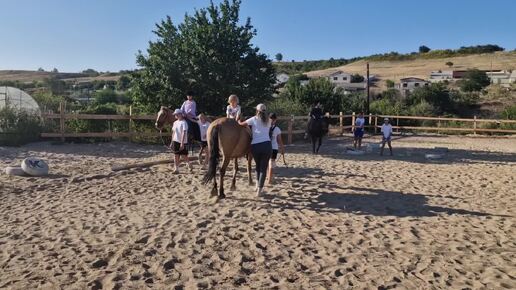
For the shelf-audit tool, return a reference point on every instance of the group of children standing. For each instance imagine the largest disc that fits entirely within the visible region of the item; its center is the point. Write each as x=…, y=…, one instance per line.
x=358, y=133
x=266, y=140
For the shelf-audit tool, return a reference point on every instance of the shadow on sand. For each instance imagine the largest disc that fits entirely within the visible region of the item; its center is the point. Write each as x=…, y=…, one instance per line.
x=362, y=201
x=336, y=148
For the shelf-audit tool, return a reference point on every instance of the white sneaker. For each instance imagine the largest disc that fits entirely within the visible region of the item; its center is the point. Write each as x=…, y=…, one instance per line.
x=189, y=166
x=175, y=171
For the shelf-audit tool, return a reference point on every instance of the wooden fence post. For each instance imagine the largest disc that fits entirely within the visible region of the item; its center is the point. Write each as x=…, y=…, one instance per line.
x=341, y=122
x=62, y=120
x=370, y=120
x=475, y=125
x=290, y=124
x=438, y=125
x=398, y=125
x=130, y=123
x=375, y=124
x=353, y=122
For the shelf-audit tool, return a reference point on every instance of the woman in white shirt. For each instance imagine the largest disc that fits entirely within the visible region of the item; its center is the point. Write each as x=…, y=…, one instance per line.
x=261, y=146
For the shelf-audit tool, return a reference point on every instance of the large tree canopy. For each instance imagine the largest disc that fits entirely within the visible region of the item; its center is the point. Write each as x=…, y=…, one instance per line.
x=209, y=53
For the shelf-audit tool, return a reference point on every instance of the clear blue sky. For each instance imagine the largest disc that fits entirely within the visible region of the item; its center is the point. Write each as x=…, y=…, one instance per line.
x=105, y=35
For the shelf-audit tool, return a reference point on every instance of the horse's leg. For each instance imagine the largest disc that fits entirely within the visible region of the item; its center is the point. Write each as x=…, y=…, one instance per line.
x=233, y=181
x=225, y=163
x=214, y=188
x=314, y=139
x=249, y=166
x=320, y=142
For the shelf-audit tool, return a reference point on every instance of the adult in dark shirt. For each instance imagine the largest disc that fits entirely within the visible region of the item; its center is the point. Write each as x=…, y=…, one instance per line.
x=315, y=113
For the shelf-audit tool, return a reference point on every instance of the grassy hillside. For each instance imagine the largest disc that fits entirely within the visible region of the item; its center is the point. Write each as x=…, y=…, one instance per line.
x=26, y=76
x=394, y=70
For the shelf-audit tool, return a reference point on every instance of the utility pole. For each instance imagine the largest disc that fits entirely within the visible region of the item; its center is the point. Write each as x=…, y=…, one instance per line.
x=367, y=84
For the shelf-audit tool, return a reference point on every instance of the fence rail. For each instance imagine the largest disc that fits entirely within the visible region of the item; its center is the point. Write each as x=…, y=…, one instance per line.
x=345, y=122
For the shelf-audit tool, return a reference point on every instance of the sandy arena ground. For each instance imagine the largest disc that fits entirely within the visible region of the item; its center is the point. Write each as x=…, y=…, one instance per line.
x=333, y=221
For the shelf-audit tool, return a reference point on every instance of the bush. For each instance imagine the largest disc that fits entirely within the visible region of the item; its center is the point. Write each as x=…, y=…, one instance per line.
x=18, y=127
x=509, y=113
x=386, y=107
x=284, y=106
x=83, y=126
x=474, y=81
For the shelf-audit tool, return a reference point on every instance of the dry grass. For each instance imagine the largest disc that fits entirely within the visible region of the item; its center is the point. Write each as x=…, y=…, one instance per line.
x=27, y=76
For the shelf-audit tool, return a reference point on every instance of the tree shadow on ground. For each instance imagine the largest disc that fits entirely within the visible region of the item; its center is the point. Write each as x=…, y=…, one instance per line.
x=361, y=201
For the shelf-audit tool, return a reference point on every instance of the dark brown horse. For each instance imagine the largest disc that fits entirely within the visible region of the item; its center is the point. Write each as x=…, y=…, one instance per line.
x=227, y=137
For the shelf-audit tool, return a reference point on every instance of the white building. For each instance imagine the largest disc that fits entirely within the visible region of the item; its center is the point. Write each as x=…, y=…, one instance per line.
x=408, y=85
x=439, y=76
x=339, y=77
x=504, y=78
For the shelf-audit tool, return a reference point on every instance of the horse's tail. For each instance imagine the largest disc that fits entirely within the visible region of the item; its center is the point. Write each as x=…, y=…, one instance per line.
x=214, y=155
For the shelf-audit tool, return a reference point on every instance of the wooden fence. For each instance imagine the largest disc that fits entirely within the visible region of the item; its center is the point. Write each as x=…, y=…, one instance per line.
x=345, y=122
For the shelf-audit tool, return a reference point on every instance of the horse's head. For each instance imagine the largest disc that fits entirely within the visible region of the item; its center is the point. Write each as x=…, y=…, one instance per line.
x=162, y=117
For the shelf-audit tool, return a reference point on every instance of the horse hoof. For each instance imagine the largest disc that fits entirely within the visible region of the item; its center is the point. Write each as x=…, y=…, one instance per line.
x=232, y=188
x=222, y=196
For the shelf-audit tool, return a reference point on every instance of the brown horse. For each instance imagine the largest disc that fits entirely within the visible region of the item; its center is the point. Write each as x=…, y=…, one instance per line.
x=226, y=136
x=165, y=116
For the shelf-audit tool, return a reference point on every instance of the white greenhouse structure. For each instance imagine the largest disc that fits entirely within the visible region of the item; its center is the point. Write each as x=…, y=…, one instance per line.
x=16, y=98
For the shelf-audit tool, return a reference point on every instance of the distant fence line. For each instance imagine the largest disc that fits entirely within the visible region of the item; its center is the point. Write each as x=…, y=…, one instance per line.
x=345, y=122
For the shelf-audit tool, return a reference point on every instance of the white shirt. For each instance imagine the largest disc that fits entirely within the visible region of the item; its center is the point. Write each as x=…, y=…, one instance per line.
x=260, y=130
x=275, y=133
x=180, y=127
x=233, y=113
x=359, y=122
x=387, y=130
x=204, y=130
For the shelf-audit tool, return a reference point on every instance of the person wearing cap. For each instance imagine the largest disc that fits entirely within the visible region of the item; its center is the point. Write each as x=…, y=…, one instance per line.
x=261, y=146
x=189, y=109
x=277, y=144
x=386, y=135
x=179, y=140
x=359, y=131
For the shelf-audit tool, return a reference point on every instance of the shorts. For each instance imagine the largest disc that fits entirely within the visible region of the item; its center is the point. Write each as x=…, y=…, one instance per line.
x=274, y=154
x=359, y=133
x=204, y=144
x=386, y=139
x=177, y=150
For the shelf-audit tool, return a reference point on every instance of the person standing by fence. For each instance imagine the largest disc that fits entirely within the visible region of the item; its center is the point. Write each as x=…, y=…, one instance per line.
x=358, y=132
x=386, y=135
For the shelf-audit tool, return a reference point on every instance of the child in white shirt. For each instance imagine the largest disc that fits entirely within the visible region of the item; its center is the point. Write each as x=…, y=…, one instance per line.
x=180, y=140
x=203, y=126
x=233, y=110
x=277, y=144
x=386, y=135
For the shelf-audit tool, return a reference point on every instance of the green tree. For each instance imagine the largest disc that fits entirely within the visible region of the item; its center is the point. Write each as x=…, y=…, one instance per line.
x=279, y=57
x=209, y=53
x=54, y=70
x=41, y=69
x=389, y=84
x=90, y=72
x=106, y=96
x=436, y=95
x=449, y=63
x=123, y=83
x=474, y=81
x=424, y=49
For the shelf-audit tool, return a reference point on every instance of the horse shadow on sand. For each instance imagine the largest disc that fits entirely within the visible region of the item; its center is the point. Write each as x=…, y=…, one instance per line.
x=362, y=201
